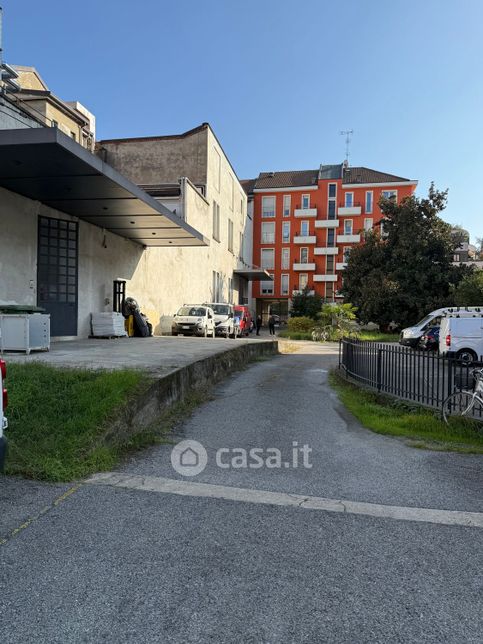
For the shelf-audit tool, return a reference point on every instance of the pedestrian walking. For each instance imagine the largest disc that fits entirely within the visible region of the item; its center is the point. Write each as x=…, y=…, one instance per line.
x=259, y=324
x=271, y=325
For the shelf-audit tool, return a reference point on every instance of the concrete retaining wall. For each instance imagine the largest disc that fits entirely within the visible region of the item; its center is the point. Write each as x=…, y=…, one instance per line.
x=168, y=390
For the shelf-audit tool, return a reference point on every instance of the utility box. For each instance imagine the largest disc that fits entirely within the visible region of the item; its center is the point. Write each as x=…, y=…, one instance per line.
x=24, y=332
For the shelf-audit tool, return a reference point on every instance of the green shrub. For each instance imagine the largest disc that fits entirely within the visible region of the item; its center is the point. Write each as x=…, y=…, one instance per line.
x=300, y=325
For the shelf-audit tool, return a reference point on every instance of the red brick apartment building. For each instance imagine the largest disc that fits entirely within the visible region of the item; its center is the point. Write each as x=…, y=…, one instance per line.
x=305, y=223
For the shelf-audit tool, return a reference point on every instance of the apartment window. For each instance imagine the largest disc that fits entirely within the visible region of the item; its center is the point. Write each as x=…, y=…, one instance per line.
x=285, y=259
x=268, y=206
x=305, y=202
x=369, y=202
x=329, y=291
x=242, y=244
x=303, y=280
x=284, y=284
x=347, y=252
x=232, y=192
x=330, y=237
x=331, y=209
x=230, y=289
x=304, y=228
x=286, y=232
x=368, y=222
x=330, y=263
x=348, y=227
x=216, y=221
x=332, y=190
x=268, y=258
x=266, y=287
x=287, y=202
x=304, y=255
x=268, y=232
x=389, y=194
x=73, y=136
x=230, y=235
x=349, y=199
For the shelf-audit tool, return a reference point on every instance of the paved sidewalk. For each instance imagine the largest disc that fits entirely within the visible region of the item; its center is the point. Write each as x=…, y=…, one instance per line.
x=157, y=355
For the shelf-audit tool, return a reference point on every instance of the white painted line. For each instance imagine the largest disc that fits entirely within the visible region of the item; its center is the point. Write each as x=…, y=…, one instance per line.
x=190, y=488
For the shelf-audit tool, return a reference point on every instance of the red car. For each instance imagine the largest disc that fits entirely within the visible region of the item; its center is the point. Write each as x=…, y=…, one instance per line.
x=244, y=317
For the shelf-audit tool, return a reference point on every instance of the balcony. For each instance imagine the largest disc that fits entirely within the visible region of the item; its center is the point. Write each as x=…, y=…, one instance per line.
x=327, y=223
x=327, y=250
x=325, y=278
x=349, y=211
x=298, y=292
x=340, y=266
x=348, y=239
x=305, y=212
x=304, y=266
x=304, y=239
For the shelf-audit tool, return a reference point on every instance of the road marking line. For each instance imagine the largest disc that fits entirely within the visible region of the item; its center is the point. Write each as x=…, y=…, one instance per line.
x=39, y=514
x=190, y=488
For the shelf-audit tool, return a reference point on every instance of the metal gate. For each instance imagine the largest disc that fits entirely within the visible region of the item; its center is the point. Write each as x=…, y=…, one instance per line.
x=57, y=273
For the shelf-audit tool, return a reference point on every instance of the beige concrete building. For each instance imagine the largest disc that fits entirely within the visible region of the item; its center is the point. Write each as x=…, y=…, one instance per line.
x=71, y=117
x=192, y=176
x=166, y=214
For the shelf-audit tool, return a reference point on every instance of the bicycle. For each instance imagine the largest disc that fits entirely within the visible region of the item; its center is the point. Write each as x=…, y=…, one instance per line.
x=461, y=403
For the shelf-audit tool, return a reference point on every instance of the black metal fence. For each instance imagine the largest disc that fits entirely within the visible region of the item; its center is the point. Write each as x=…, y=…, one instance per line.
x=420, y=376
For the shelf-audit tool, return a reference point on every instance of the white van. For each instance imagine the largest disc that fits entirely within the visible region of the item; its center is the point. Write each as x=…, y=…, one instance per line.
x=412, y=334
x=462, y=338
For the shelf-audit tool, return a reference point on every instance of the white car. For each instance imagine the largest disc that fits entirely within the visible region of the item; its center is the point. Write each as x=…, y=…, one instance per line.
x=225, y=325
x=194, y=319
x=462, y=338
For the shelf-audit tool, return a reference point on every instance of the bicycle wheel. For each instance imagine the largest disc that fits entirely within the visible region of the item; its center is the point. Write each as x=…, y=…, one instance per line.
x=457, y=404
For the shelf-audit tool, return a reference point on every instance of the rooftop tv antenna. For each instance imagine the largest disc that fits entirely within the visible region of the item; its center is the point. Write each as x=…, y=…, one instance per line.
x=348, y=137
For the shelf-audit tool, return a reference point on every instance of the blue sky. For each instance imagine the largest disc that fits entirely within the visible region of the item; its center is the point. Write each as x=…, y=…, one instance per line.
x=278, y=79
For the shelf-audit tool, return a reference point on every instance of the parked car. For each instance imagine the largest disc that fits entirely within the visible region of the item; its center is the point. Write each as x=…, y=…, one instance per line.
x=224, y=319
x=3, y=419
x=462, y=338
x=194, y=319
x=244, y=318
x=430, y=340
x=412, y=334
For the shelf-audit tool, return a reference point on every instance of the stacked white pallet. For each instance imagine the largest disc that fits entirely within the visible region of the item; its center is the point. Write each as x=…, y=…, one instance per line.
x=107, y=325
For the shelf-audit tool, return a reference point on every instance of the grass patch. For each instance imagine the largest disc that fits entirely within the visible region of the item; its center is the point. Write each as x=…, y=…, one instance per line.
x=378, y=336
x=58, y=419
x=423, y=427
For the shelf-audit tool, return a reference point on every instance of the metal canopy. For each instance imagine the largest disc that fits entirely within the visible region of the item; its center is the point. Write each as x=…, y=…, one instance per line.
x=46, y=165
x=254, y=274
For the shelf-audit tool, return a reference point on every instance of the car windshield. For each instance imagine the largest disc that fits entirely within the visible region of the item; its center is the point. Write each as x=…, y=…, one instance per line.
x=239, y=314
x=221, y=309
x=424, y=320
x=192, y=311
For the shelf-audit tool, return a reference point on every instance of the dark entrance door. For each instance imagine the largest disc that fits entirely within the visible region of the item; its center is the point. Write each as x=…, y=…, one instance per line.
x=57, y=273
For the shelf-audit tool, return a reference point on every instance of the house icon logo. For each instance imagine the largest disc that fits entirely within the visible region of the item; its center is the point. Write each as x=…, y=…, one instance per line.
x=189, y=458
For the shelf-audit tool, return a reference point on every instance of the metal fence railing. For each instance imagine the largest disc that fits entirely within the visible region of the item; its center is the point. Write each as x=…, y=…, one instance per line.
x=423, y=377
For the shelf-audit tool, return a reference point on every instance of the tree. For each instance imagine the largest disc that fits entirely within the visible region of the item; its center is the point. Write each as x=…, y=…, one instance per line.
x=305, y=305
x=406, y=272
x=469, y=292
